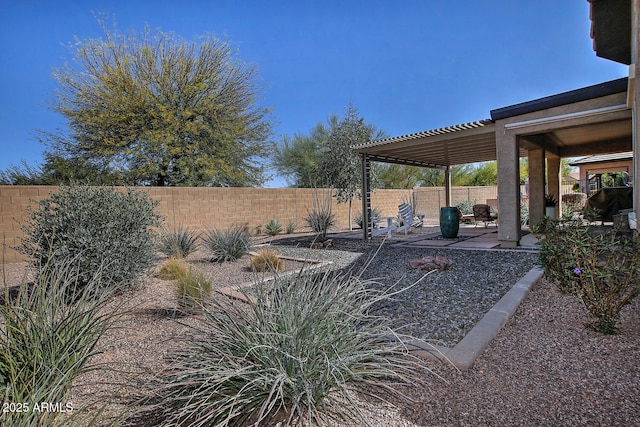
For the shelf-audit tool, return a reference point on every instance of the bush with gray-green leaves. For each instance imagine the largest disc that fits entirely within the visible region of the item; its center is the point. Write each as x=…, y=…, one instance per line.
x=97, y=229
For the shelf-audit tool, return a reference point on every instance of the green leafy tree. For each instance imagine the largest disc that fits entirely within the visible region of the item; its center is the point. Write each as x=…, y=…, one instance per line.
x=24, y=174
x=485, y=173
x=401, y=176
x=60, y=170
x=298, y=158
x=397, y=176
x=165, y=111
x=340, y=164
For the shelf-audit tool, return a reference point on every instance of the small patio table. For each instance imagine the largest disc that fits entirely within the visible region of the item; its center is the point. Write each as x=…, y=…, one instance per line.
x=388, y=229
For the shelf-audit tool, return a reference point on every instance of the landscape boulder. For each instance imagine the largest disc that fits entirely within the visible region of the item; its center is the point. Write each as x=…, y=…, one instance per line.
x=429, y=263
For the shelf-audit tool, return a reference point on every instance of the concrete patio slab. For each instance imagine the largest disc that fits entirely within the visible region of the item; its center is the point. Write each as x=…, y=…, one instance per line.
x=476, y=244
x=493, y=237
x=426, y=242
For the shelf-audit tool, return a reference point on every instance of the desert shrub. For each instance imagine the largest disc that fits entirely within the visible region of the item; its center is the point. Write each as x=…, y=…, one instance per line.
x=273, y=227
x=193, y=290
x=266, y=260
x=592, y=215
x=227, y=245
x=46, y=341
x=599, y=265
x=296, y=357
x=321, y=218
x=291, y=227
x=173, y=269
x=375, y=214
x=524, y=213
x=608, y=272
x=466, y=206
x=178, y=242
x=556, y=256
x=94, y=227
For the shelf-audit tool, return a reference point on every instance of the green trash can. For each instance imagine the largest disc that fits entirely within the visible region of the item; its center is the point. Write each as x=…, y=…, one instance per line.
x=449, y=222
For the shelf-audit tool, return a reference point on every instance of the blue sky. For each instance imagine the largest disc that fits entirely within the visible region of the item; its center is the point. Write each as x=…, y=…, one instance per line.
x=406, y=65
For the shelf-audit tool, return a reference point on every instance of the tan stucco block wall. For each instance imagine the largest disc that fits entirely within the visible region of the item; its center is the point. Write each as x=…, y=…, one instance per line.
x=201, y=208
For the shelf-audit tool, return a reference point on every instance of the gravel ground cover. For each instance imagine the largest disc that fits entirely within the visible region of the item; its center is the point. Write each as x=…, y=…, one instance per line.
x=443, y=306
x=543, y=369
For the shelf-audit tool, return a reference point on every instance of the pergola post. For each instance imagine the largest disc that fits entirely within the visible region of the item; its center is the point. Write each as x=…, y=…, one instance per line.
x=447, y=186
x=634, y=99
x=367, y=222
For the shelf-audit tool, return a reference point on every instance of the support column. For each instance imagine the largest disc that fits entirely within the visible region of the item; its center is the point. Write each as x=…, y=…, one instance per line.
x=553, y=181
x=536, y=185
x=367, y=221
x=634, y=72
x=508, y=187
x=447, y=186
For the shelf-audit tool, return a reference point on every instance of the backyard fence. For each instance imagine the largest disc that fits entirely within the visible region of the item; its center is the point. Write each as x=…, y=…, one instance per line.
x=204, y=207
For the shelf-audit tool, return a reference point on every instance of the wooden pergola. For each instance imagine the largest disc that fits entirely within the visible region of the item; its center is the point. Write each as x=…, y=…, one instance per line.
x=590, y=120
x=437, y=149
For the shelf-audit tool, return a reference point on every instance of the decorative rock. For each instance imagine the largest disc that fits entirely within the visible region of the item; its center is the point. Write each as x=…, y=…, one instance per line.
x=429, y=263
x=320, y=245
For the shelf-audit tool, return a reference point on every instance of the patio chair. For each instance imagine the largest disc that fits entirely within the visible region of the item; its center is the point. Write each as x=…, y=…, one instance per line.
x=408, y=218
x=482, y=213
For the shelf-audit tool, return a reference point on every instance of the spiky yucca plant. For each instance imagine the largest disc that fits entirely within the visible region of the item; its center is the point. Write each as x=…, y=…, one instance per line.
x=295, y=357
x=227, y=245
x=178, y=242
x=291, y=227
x=47, y=340
x=273, y=227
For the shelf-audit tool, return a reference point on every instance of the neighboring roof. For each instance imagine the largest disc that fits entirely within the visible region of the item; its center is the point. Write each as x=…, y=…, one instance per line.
x=452, y=145
x=611, y=29
x=564, y=98
x=603, y=158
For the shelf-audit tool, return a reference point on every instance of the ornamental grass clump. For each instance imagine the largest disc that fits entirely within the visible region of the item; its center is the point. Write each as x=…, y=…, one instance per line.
x=173, y=269
x=47, y=341
x=600, y=266
x=227, y=245
x=193, y=290
x=266, y=260
x=97, y=229
x=296, y=356
x=178, y=242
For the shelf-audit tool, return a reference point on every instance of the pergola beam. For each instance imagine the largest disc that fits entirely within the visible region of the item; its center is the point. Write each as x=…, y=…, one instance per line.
x=400, y=161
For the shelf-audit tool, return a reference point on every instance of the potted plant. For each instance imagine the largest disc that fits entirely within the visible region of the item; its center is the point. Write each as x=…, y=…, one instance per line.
x=550, y=203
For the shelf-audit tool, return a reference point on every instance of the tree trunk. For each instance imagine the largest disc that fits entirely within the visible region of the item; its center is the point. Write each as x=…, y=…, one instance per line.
x=350, y=215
